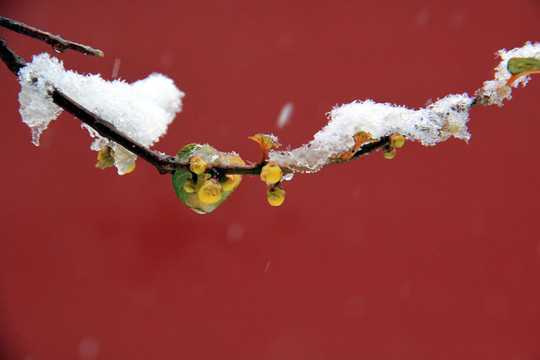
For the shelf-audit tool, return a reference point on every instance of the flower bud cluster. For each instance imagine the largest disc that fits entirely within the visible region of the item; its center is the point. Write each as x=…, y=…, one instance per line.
x=205, y=187
x=271, y=174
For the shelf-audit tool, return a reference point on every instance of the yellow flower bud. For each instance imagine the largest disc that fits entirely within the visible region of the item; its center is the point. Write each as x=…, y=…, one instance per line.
x=131, y=168
x=190, y=186
x=197, y=165
x=105, y=158
x=271, y=173
x=397, y=140
x=389, y=152
x=229, y=183
x=275, y=196
x=210, y=191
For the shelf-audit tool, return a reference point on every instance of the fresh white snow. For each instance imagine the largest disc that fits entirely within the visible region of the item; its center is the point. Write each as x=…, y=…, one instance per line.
x=141, y=110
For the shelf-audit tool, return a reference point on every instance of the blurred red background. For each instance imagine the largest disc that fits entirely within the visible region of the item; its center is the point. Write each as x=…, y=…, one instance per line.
x=433, y=255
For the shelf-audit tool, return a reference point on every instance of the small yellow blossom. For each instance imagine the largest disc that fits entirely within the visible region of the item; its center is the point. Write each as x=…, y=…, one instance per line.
x=275, y=196
x=271, y=173
x=210, y=192
x=197, y=165
x=230, y=182
x=397, y=140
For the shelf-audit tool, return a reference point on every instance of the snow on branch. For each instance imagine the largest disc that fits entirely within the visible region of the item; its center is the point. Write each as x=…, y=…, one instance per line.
x=141, y=110
x=440, y=120
x=437, y=122
x=126, y=119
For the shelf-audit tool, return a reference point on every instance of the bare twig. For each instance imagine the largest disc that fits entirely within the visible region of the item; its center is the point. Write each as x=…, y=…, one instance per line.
x=59, y=45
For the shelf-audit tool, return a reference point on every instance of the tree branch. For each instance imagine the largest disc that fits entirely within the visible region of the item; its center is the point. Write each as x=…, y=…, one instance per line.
x=59, y=45
x=163, y=163
x=204, y=186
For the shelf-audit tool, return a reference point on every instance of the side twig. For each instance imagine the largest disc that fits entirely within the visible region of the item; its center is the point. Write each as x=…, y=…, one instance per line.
x=59, y=45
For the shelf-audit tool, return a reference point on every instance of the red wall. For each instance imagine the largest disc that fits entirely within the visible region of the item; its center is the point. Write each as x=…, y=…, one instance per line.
x=433, y=255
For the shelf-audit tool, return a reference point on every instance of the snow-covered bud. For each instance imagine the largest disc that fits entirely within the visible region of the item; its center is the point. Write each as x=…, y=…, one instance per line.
x=271, y=173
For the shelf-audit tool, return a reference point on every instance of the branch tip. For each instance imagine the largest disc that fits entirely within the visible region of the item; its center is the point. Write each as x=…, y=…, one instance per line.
x=59, y=45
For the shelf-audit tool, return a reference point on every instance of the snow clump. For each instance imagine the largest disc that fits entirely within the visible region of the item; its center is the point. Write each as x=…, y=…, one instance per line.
x=141, y=110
